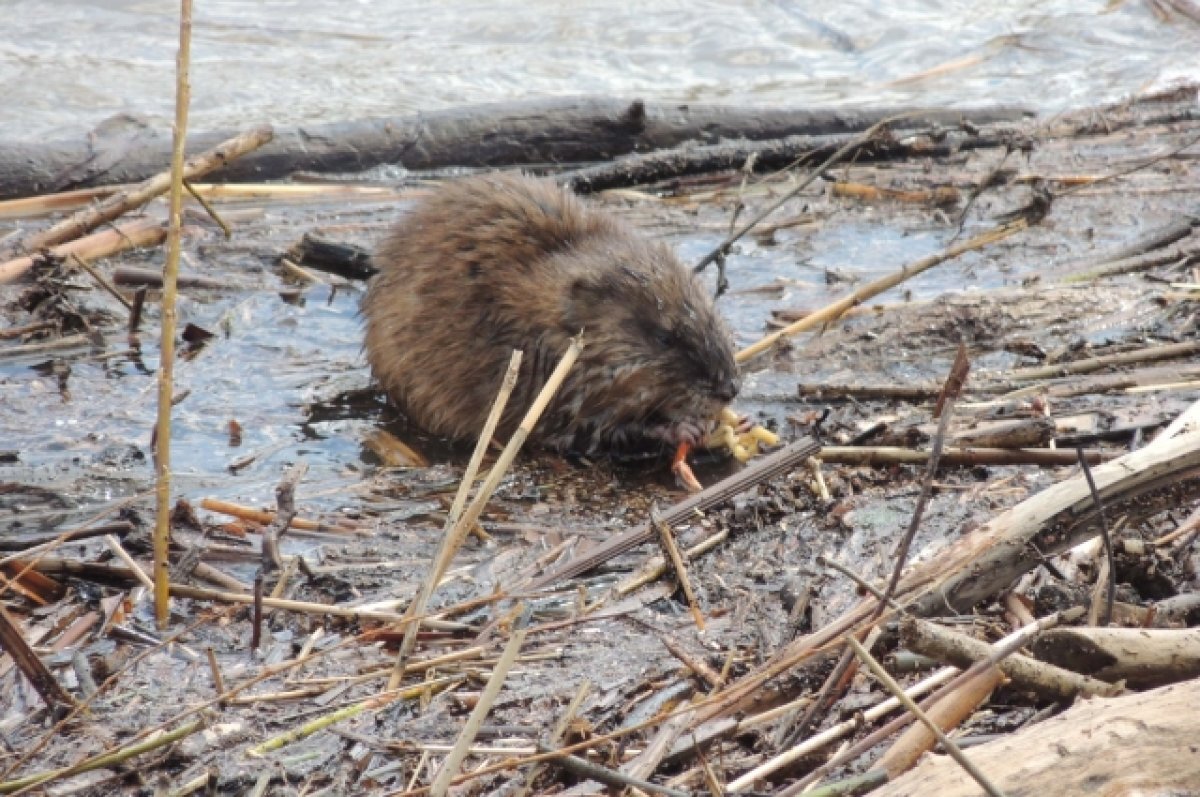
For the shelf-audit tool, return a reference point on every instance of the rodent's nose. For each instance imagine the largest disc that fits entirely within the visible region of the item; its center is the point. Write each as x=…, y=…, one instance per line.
x=727, y=389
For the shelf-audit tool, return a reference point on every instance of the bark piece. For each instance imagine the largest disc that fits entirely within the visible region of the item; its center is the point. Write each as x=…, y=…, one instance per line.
x=1139, y=744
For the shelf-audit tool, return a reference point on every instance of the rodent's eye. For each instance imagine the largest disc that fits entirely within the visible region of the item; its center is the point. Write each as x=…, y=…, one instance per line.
x=666, y=338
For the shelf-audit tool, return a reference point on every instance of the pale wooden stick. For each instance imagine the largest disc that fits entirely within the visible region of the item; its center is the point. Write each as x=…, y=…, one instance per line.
x=947, y=744
x=441, y=781
x=456, y=535
x=834, y=311
x=115, y=546
x=445, y=554
x=142, y=232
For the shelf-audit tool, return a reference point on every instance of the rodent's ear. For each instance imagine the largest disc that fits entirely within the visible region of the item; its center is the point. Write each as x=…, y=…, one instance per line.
x=593, y=288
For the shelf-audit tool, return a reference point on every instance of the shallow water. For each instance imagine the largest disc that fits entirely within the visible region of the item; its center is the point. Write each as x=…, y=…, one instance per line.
x=66, y=65
x=83, y=433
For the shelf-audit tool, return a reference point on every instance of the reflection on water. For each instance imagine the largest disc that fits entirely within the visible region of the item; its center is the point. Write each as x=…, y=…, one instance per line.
x=68, y=64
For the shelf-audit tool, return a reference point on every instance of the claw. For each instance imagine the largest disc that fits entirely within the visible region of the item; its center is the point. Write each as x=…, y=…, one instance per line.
x=683, y=471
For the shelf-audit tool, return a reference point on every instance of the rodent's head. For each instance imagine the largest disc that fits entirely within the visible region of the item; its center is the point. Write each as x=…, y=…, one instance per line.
x=653, y=336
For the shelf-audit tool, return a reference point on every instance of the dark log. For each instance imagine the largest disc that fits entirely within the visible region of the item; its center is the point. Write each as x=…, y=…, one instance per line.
x=125, y=149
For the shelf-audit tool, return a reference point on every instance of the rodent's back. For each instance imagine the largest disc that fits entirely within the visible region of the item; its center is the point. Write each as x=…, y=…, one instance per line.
x=484, y=265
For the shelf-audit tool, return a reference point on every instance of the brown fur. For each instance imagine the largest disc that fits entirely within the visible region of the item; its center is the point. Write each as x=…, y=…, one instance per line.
x=488, y=264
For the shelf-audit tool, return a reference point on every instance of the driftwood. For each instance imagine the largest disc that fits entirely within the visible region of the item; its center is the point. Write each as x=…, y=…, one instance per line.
x=568, y=130
x=951, y=647
x=1139, y=744
x=120, y=203
x=1142, y=657
x=130, y=235
x=777, y=154
x=991, y=558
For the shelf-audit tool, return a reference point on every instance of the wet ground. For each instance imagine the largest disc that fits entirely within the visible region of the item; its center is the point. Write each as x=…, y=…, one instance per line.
x=284, y=362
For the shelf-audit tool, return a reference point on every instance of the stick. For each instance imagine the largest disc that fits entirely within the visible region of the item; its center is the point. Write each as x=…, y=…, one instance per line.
x=166, y=370
x=666, y=539
x=949, y=746
x=833, y=311
x=444, y=554
x=104, y=759
x=441, y=781
x=13, y=642
x=141, y=232
x=457, y=534
x=723, y=248
x=120, y=203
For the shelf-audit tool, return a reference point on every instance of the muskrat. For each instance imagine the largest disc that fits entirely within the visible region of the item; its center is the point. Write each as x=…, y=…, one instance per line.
x=484, y=265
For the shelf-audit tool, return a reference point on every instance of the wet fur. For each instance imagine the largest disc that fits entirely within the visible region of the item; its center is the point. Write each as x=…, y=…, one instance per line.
x=488, y=264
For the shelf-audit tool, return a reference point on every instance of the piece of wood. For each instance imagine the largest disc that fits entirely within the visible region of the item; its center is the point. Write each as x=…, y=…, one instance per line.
x=124, y=149
x=131, y=235
x=1048, y=681
x=756, y=471
x=1138, y=744
x=118, y=204
x=1142, y=657
x=13, y=642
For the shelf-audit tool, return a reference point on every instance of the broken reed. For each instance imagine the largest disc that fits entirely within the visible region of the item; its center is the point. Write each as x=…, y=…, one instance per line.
x=166, y=371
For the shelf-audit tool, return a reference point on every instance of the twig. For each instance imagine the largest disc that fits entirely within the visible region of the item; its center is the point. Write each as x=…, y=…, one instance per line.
x=140, y=232
x=609, y=777
x=101, y=280
x=556, y=735
x=13, y=642
x=834, y=311
x=115, y=546
x=457, y=534
x=323, y=722
x=1111, y=596
x=666, y=539
x=844, y=728
x=947, y=744
x=441, y=781
x=1149, y=354
x=209, y=209
x=135, y=311
x=166, y=370
x=445, y=554
x=256, y=614
x=285, y=506
x=756, y=472
x=955, y=455
x=863, y=138
x=104, y=759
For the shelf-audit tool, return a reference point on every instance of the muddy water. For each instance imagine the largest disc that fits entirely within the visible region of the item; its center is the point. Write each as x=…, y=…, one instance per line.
x=68, y=64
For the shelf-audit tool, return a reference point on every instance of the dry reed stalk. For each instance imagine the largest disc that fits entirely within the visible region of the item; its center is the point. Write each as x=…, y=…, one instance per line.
x=666, y=539
x=838, y=731
x=166, y=370
x=46, y=204
x=455, y=536
x=834, y=311
x=103, y=760
x=323, y=722
x=1148, y=354
x=266, y=516
x=441, y=781
x=895, y=455
x=445, y=552
x=142, y=232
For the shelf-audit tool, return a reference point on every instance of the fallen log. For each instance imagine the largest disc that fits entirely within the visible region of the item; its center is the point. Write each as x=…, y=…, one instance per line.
x=1142, y=657
x=125, y=149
